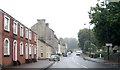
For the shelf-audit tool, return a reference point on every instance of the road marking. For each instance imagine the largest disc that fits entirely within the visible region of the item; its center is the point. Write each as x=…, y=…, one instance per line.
x=78, y=63
x=84, y=66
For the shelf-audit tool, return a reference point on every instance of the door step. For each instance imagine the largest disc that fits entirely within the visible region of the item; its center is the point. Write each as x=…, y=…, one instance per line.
x=15, y=63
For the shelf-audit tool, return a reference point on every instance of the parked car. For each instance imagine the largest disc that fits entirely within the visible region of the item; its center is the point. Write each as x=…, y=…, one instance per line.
x=65, y=55
x=54, y=58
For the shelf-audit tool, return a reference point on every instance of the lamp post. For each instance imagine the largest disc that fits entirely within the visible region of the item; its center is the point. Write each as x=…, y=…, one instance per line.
x=89, y=39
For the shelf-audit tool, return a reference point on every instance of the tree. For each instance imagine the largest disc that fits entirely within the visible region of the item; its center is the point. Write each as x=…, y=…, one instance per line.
x=90, y=47
x=72, y=43
x=85, y=37
x=106, y=22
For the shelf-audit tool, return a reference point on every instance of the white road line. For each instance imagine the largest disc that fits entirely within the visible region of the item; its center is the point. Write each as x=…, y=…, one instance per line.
x=84, y=66
x=78, y=63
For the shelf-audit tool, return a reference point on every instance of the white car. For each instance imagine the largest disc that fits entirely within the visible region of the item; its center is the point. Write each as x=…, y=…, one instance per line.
x=78, y=53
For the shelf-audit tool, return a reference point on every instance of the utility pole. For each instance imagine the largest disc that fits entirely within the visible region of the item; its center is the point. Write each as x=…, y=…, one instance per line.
x=89, y=41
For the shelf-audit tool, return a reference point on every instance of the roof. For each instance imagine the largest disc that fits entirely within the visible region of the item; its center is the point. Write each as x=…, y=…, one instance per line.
x=15, y=19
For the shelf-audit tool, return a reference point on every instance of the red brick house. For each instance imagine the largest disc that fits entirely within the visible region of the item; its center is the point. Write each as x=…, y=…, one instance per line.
x=18, y=44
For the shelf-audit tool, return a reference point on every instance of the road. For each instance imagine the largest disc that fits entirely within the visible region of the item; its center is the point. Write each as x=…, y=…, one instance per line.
x=73, y=61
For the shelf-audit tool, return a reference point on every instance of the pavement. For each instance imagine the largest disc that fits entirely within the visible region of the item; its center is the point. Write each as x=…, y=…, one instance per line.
x=99, y=60
x=40, y=64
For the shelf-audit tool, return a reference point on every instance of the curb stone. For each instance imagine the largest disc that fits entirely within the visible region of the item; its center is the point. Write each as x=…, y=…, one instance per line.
x=47, y=67
x=104, y=62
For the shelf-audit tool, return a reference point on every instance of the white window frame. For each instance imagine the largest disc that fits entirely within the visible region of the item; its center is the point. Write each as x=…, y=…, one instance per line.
x=26, y=33
x=35, y=37
x=21, y=30
x=30, y=34
x=30, y=49
x=21, y=48
x=8, y=27
x=15, y=28
x=8, y=47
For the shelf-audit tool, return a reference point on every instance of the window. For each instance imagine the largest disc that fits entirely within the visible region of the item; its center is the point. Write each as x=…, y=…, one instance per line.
x=34, y=37
x=21, y=30
x=15, y=26
x=21, y=48
x=6, y=46
x=30, y=35
x=26, y=33
x=30, y=49
x=6, y=23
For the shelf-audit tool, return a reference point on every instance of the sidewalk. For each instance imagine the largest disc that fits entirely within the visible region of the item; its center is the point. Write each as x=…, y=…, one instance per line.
x=98, y=60
x=42, y=64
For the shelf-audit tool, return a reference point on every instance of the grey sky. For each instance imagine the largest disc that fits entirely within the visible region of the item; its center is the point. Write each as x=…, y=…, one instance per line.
x=65, y=17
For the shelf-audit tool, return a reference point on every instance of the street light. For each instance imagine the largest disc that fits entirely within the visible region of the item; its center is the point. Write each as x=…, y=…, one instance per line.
x=89, y=39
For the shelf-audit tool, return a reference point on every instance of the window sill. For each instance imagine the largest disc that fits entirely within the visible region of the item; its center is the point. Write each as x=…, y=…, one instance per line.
x=26, y=38
x=6, y=31
x=15, y=34
x=21, y=55
x=21, y=36
x=6, y=55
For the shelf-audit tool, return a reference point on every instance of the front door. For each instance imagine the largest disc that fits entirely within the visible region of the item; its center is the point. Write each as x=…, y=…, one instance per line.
x=15, y=50
x=26, y=48
x=32, y=48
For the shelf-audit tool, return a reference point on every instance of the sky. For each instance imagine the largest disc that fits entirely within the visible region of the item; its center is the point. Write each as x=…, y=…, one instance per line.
x=65, y=17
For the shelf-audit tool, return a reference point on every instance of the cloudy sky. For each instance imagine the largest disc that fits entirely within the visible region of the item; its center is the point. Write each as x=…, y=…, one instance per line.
x=65, y=17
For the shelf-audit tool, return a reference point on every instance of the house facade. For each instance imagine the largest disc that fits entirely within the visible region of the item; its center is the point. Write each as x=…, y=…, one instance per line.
x=18, y=44
x=62, y=46
x=46, y=39
x=44, y=50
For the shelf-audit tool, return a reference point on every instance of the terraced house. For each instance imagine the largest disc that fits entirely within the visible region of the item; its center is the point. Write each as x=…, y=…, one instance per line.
x=18, y=44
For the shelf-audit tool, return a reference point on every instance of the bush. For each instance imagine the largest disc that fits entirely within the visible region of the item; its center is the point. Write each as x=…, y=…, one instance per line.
x=97, y=54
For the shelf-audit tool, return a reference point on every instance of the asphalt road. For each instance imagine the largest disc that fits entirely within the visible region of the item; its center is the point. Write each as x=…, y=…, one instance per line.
x=73, y=61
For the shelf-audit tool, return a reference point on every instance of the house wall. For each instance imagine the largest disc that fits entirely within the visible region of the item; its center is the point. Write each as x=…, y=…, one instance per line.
x=8, y=60
x=49, y=51
x=42, y=49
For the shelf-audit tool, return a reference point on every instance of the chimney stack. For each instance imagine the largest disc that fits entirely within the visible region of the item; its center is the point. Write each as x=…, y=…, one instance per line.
x=47, y=24
x=41, y=20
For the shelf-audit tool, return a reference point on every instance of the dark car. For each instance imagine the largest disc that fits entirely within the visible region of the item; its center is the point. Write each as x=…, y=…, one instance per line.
x=65, y=55
x=54, y=58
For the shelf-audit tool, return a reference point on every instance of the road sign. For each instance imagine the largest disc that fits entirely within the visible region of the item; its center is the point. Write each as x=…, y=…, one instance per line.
x=108, y=44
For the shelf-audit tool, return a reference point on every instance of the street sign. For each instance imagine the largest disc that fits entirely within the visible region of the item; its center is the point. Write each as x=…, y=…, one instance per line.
x=108, y=44
x=113, y=0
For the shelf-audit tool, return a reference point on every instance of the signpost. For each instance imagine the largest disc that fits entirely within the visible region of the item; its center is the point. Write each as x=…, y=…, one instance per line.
x=108, y=45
